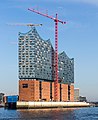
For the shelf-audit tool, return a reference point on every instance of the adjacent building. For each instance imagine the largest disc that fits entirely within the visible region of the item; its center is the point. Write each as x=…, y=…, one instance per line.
x=1, y=98
x=36, y=70
x=76, y=94
x=82, y=99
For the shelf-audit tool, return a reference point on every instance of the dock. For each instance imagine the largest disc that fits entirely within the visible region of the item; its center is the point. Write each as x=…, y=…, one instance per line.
x=39, y=105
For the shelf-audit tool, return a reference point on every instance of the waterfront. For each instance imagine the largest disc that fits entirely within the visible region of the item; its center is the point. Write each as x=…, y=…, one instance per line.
x=50, y=114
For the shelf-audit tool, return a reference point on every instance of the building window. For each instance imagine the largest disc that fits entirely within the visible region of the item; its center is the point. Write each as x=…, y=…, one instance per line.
x=25, y=85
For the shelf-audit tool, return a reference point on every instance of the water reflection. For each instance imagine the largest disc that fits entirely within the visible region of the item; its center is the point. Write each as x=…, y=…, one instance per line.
x=50, y=114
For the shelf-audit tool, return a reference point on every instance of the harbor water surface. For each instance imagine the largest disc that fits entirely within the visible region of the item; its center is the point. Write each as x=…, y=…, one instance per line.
x=89, y=113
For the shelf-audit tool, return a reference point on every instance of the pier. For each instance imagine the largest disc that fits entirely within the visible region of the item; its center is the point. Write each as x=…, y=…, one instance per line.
x=36, y=105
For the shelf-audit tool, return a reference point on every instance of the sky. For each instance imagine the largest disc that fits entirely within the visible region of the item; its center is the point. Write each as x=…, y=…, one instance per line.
x=78, y=38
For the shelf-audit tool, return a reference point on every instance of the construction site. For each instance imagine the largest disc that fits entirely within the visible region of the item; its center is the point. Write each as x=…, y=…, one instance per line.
x=44, y=74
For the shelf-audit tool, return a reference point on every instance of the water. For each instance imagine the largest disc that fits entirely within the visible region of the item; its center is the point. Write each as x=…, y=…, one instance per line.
x=50, y=114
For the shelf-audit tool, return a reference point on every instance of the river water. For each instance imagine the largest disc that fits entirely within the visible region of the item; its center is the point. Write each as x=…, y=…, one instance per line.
x=50, y=114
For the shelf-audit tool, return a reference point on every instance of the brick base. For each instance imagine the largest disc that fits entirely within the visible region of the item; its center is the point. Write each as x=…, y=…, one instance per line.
x=35, y=90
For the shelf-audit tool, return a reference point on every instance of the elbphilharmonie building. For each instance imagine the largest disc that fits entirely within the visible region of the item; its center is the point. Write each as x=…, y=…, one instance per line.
x=36, y=69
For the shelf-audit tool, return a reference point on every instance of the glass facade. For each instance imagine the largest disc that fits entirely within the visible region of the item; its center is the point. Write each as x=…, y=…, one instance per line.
x=65, y=68
x=35, y=56
x=36, y=59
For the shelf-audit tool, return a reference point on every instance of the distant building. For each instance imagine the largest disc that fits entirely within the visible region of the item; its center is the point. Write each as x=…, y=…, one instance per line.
x=82, y=99
x=76, y=94
x=36, y=70
x=1, y=97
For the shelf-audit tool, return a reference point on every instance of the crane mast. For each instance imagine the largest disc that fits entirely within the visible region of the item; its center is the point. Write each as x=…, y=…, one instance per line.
x=56, y=61
x=56, y=20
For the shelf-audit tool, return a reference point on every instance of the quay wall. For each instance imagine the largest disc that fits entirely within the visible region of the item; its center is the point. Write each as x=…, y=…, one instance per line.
x=35, y=105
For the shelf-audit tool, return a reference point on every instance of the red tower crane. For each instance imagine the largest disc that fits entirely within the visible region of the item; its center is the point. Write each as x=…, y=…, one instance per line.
x=56, y=20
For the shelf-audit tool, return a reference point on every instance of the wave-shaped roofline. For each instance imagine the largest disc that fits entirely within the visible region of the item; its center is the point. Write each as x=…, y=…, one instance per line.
x=63, y=53
x=34, y=29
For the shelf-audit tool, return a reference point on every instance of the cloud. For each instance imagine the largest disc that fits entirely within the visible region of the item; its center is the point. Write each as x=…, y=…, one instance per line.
x=84, y=1
x=93, y=2
x=14, y=43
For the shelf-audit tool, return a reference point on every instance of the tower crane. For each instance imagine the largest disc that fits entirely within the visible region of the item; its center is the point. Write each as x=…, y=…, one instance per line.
x=56, y=20
x=25, y=24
